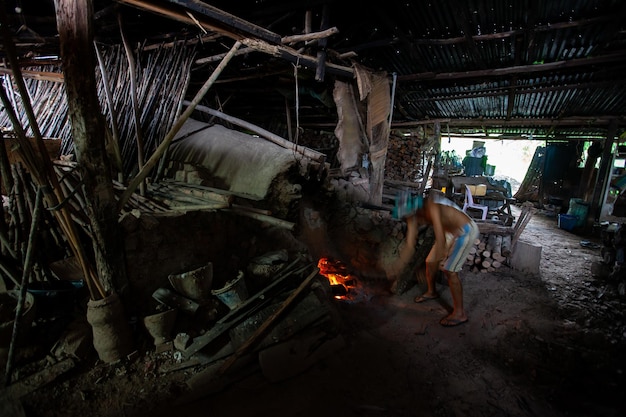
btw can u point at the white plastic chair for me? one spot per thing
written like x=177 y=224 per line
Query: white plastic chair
x=469 y=203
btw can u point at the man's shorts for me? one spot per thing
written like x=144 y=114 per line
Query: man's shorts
x=461 y=246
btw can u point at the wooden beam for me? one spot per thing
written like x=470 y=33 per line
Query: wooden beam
x=603 y=177
x=520 y=89
x=76 y=34
x=521 y=69
x=56 y=77
x=267 y=44
x=513 y=81
x=297 y=58
x=591 y=121
x=208 y=17
x=320 y=70
x=516 y=122
x=322 y=34
x=489 y=36
x=463 y=20
x=285 y=40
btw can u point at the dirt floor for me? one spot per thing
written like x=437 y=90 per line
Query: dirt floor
x=551 y=344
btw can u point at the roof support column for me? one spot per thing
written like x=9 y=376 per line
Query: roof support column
x=604 y=173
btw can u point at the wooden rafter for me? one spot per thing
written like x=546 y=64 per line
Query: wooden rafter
x=520 y=69
x=208 y=17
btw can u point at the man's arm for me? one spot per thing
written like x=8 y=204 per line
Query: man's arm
x=434 y=214
x=407 y=250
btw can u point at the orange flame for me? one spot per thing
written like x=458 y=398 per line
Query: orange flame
x=336 y=273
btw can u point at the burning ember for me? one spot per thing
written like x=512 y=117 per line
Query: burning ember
x=341 y=281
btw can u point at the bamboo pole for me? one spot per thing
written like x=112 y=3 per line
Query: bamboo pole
x=154 y=159
x=40 y=165
x=132 y=73
x=28 y=264
x=109 y=98
x=309 y=153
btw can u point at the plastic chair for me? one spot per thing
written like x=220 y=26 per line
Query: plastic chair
x=469 y=203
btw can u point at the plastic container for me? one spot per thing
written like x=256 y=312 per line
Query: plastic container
x=490 y=170
x=578 y=207
x=473 y=166
x=54 y=298
x=567 y=222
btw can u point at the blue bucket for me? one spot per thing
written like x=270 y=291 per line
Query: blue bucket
x=567 y=222
x=53 y=298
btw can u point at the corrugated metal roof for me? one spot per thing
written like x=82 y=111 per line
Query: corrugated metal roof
x=555 y=67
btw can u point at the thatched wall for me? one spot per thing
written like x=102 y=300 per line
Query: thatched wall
x=162 y=79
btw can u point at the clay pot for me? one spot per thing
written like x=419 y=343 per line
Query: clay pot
x=160 y=325
x=194 y=284
x=234 y=293
x=112 y=337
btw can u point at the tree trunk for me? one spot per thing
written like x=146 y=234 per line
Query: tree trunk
x=75 y=27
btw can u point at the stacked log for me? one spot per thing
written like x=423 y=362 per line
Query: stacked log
x=496 y=243
x=405 y=160
x=489 y=253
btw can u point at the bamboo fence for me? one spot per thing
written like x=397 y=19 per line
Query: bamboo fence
x=163 y=75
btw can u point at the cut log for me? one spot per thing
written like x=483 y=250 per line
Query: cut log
x=498 y=257
x=495 y=241
x=506 y=246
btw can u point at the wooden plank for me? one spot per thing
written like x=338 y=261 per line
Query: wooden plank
x=231 y=21
x=208 y=17
x=269 y=322
x=494 y=229
x=232 y=318
x=213 y=194
x=307 y=311
x=39 y=379
x=56 y=77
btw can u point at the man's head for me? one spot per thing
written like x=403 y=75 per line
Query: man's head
x=407 y=204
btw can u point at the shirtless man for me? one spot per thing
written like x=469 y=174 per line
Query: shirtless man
x=448 y=220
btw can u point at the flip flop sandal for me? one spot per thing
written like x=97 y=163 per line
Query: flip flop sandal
x=421 y=298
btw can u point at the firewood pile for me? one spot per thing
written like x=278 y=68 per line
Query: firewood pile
x=405 y=160
x=496 y=243
x=489 y=253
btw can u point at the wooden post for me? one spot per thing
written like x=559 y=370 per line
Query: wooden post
x=75 y=27
x=603 y=179
x=39 y=164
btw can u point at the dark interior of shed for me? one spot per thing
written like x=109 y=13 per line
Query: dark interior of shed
x=169 y=218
